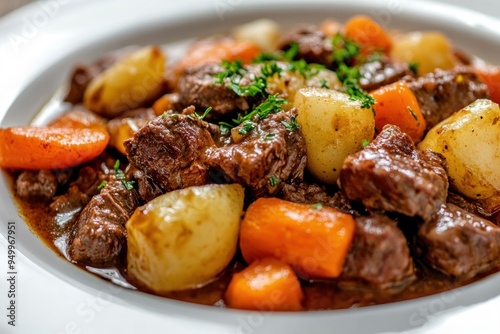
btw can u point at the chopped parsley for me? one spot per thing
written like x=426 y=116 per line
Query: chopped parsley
x=271 y=105
x=129 y=185
x=346 y=52
x=234 y=71
x=292 y=125
x=412 y=112
x=269 y=136
x=317 y=206
x=246 y=127
x=102 y=184
x=274 y=181
x=196 y=116
x=365 y=143
x=324 y=84
x=413 y=66
x=292 y=52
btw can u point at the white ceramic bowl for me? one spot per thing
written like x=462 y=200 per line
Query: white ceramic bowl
x=42 y=43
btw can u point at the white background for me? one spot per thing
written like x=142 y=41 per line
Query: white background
x=40 y=291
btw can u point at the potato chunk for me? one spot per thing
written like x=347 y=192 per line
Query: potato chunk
x=264 y=32
x=128 y=84
x=334 y=126
x=469 y=139
x=429 y=50
x=184 y=238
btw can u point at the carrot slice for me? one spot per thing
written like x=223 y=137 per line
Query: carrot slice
x=30 y=147
x=217 y=50
x=265 y=285
x=313 y=240
x=79 y=118
x=491 y=77
x=368 y=34
x=396 y=104
x=164 y=103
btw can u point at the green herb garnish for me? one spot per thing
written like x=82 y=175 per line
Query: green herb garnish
x=271 y=105
x=102 y=185
x=346 y=51
x=292 y=125
x=196 y=116
x=274 y=181
x=269 y=136
x=290 y=54
x=365 y=143
x=317 y=206
x=412 y=112
x=129 y=185
x=246 y=127
x=413 y=66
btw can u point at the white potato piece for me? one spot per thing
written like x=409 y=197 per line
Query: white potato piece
x=470 y=141
x=289 y=82
x=264 y=32
x=429 y=50
x=334 y=127
x=128 y=84
x=184 y=238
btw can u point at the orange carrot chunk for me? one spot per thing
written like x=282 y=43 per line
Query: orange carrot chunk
x=217 y=50
x=265 y=285
x=396 y=104
x=491 y=77
x=79 y=118
x=314 y=240
x=30 y=147
x=368 y=34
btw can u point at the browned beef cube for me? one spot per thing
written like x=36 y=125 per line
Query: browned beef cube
x=379 y=255
x=390 y=174
x=169 y=151
x=199 y=87
x=313 y=193
x=459 y=243
x=442 y=93
x=265 y=158
x=36 y=185
x=313 y=45
x=99 y=234
x=381 y=72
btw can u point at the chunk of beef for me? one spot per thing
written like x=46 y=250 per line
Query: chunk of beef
x=313 y=45
x=84 y=73
x=379 y=255
x=306 y=193
x=100 y=234
x=65 y=207
x=459 y=243
x=169 y=151
x=442 y=93
x=312 y=193
x=198 y=87
x=41 y=185
x=390 y=174
x=38 y=185
x=265 y=158
x=381 y=72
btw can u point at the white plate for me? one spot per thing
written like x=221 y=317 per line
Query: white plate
x=40 y=43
